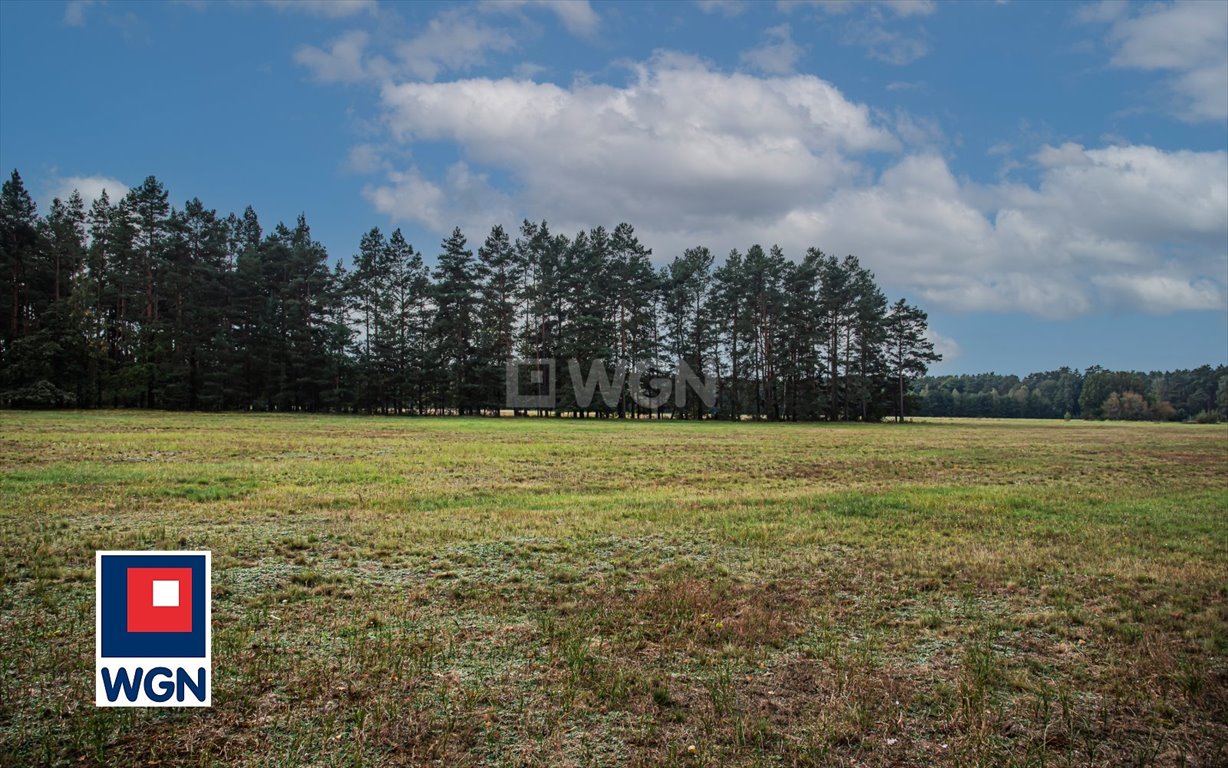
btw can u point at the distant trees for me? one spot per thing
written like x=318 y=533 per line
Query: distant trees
x=1196 y=394
x=135 y=303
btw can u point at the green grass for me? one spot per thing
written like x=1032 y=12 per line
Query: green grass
x=557 y=592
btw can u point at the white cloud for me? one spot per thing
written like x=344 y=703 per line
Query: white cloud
x=365 y=159
x=729 y=8
x=89 y=187
x=409 y=196
x=74 y=12
x=919 y=131
x=1117 y=203
x=944 y=345
x=341 y=63
x=1188 y=39
x=1102 y=12
x=693 y=155
x=451 y=41
x=1161 y=293
x=776 y=54
x=463 y=195
x=884 y=44
x=527 y=70
x=1052 y=249
x=331 y=9
x=576 y=15
x=840 y=7
x=911 y=7
x=681 y=138
x=886 y=29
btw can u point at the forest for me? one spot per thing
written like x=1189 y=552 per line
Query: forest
x=1199 y=394
x=135 y=303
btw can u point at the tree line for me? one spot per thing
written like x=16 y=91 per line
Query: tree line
x=1199 y=394
x=135 y=303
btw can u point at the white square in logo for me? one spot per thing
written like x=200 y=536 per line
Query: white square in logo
x=166 y=594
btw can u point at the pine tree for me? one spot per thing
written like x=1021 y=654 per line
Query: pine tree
x=762 y=272
x=368 y=291
x=456 y=297
x=634 y=288
x=250 y=316
x=196 y=297
x=20 y=252
x=403 y=326
x=800 y=338
x=305 y=295
x=908 y=349
x=148 y=214
x=502 y=281
x=61 y=316
x=731 y=311
x=585 y=328
x=542 y=255
x=869 y=333
x=689 y=331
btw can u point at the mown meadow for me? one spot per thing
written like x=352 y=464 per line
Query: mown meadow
x=533 y=592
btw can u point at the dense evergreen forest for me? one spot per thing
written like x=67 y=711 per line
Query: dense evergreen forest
x=134 y=303
x=1200 y=395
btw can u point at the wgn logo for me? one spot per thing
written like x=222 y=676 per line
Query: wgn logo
x=152 y=641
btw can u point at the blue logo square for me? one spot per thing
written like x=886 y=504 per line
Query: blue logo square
x=117 y=642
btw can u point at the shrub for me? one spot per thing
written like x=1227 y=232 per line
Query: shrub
x=1164 y=411
x=40 y=394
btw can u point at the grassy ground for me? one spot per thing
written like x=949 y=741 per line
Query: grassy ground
x=541 y=592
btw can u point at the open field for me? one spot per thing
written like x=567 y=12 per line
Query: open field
x=541 y=592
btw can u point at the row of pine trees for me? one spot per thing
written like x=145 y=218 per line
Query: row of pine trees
x=134 y=303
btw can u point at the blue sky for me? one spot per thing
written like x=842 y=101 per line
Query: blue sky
x=1048 y=180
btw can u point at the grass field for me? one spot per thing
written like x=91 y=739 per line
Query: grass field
x=543 y=592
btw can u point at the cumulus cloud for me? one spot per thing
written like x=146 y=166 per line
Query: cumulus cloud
x=1136 y=193
x=89 y=187
x=1187 y=39
x=776 y=54
x=1161 y=293
x=693 y=155
x=1055 y=249
x=680 y=138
